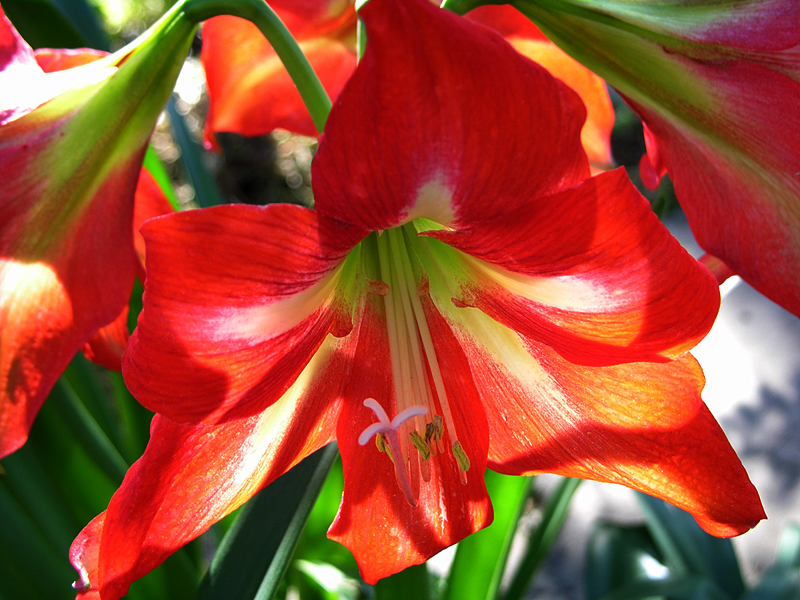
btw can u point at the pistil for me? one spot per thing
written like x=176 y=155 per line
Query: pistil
x=389 y=430
x=415 y=367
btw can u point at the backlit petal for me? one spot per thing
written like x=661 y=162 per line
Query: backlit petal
x=191 y=476
x=529 y=41
x=52 y=303
x=71 y=147
x=642 y=425
x=590 y=271
x=717 y=85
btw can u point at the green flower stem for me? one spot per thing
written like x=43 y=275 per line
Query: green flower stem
x=262 y=16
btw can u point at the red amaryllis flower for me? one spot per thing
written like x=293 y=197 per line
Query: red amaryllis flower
x=72 y=137
x=462 y=293
x=717 y=85
x=250 y=92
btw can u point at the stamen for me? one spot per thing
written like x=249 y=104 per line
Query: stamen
x=434 y=431
x=462 y=460
x=389 y=429
x=420 y=445
x=380 y=442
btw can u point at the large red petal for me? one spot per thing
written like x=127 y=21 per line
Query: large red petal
x=383 y=531
x=237 y=300
x=408 y=136
x=591 y=272
x=250 y=92
x=642 y=425
x=191 y=476
x=526 y=38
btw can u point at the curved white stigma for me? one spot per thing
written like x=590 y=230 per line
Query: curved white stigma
x=390 y=430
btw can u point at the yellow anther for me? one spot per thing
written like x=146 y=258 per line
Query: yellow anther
x=434 y=431
x=420 y=445
x=383 y=446
x=461 y=457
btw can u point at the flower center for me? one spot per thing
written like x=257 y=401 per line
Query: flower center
x=418 y=384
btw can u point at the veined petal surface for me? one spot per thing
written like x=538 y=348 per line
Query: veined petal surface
x=642 y=425
x=376 y=523
x=70 y=158
x=526 y=39
x=191 y=476
x=427 y=158
x=590 y=271
x=238 y=299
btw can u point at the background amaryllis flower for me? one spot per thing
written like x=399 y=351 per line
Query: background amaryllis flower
x=717 y=85
x=106 y=346
x=250 y=92
x=73 y=131
x=540 y=315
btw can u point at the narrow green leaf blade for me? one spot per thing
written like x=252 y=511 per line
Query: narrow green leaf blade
x=159 y=172
x=544 y=535
x=481 y=558
x=205 y=188
x=256 y=551
x=688 y=549
x=617 y=555
x=57 y=23
x=413 y=582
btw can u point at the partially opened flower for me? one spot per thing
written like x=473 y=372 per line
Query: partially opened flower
x=108 y=343
x=462 y=297
x=250 y=92
x=73 y=130
x=717 y=85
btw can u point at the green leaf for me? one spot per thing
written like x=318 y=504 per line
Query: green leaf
x=788 y=554
x=687 y=549
x=617 y=555
x=314 y=545
x=543 y=536
x=156 y=168
x=205 y=188
x=333 y=582
x=690 y=587
x=413 y=582
x=255 y=553
x=57 y=23
x=782 y=580
x=481 y=558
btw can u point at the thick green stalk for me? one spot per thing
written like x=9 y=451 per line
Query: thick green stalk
x=262 y=16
